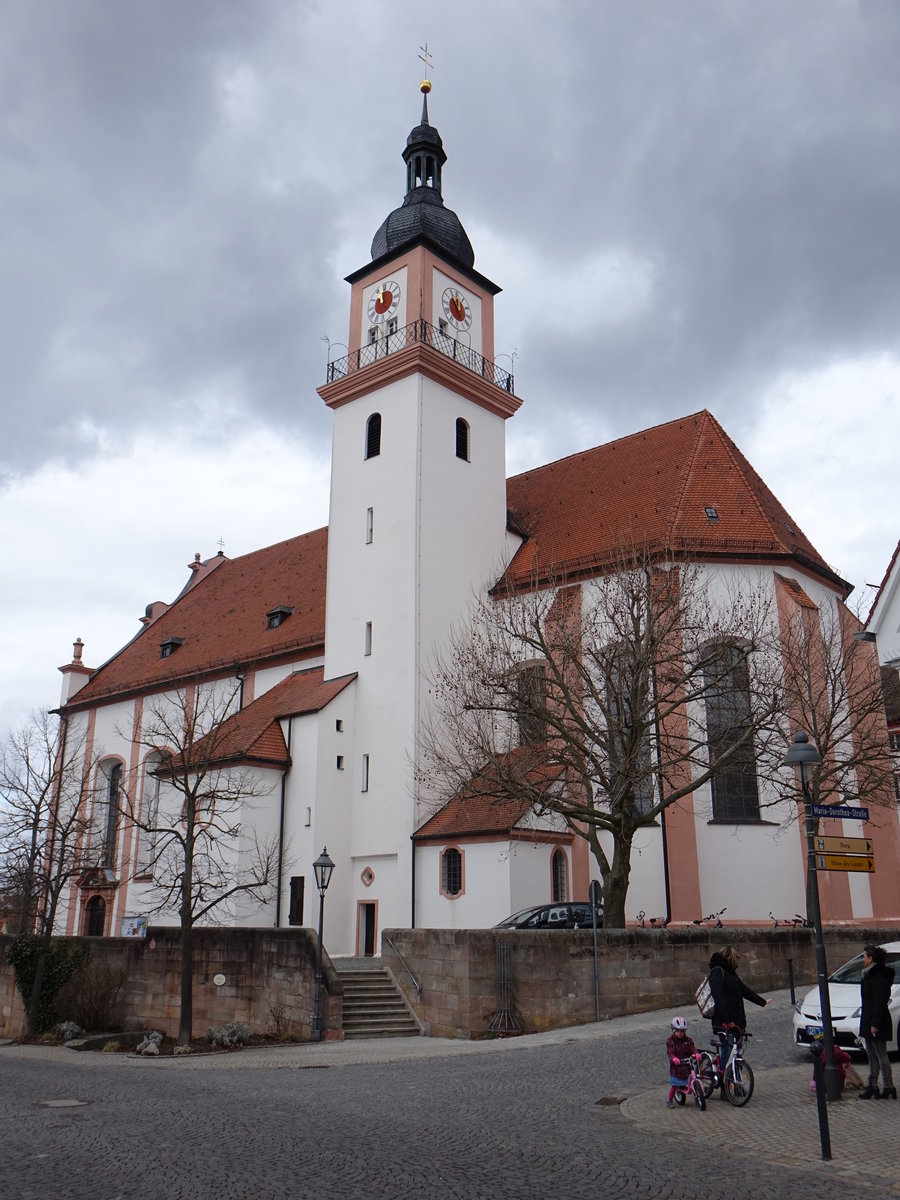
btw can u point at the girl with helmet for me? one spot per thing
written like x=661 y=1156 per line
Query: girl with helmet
x=680 y=1049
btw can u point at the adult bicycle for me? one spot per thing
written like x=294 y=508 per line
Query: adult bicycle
x=735 y=1077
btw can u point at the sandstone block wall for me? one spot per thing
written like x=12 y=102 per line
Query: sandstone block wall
x=552 y=972
x=264 y=969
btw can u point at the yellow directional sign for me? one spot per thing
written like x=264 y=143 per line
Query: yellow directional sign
x=844 y=845
x=845 y=862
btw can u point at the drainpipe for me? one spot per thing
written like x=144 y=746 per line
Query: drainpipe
x=412 y=915
x=284 y=776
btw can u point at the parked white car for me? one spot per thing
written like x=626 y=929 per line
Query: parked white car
x=843 y=992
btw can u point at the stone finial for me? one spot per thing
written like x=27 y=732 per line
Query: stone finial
x=77 y=648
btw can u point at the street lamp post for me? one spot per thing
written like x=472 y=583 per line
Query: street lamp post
x=322 y=869
x=803 y=757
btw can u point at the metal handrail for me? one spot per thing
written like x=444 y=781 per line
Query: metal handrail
x=423 y=332
x=416 y=983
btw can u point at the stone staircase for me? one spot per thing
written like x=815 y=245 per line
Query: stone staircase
x=373 y=1005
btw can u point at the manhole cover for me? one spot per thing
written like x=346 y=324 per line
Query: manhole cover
x=610 y=1101
x=62 y=1103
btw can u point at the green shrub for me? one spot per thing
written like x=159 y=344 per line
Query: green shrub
x=60 y=963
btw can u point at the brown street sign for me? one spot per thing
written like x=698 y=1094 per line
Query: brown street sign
x=845 y=862
x=844 y=845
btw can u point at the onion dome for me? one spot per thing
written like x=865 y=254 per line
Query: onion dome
x=422 y=215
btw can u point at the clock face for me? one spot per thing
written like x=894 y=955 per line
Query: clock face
x=456 y=308
x=383 y=301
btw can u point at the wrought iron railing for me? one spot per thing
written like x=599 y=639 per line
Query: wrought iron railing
x=421 y=331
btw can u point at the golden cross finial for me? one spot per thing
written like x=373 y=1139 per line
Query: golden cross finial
x=425 y=85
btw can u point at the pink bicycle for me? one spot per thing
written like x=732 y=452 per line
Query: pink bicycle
x=692 y=1086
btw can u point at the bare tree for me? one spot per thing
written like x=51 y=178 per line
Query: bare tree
x=605 y=702
x=43 y=836
x=834 y=692
x=194 y=819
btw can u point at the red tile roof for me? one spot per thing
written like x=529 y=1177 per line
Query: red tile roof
x=477 y=810
x=255 y=734
x=222 y=620
x=579 y=513
x=651 y=488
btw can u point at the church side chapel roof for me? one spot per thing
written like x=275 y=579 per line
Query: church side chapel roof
x=683 y=487
x=222 y=621
x=254 y=733
x=476 y=810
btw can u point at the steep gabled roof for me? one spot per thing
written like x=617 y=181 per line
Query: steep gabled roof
x=254 y=733
x=874 y=615
x=651 y=489
x=222 y=620
x=478 y=809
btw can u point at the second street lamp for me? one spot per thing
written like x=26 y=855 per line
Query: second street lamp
x=322 y=869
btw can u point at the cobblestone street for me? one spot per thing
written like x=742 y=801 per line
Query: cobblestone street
x=519 y=1119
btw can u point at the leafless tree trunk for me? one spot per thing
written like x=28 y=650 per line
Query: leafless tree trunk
x=204 y=854
x=43 y=829
x=589 y=702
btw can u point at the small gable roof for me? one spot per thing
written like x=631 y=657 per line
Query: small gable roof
x=476 y=808
x=254 y=733
x=221 y=621
x=682 y=488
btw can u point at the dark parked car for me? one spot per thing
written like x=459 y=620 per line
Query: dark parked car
x=576 y=915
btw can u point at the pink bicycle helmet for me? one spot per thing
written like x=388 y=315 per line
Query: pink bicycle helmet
x=679 y=1023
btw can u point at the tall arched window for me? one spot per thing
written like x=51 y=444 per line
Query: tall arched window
x=559 y=876
x=373 y=436
x=110 y=801
x=149 y=815
x=735 y=793
x=451 y=872
x=96 y=917
x=462 y=439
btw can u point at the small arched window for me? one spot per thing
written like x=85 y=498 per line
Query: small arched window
x=373 y=436
x=462 y=439
x=451 y=872
x=559 y=876
x=96 y=916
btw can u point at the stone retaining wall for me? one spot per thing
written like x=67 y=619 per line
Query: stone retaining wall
x=264 y=969
x=552 y=975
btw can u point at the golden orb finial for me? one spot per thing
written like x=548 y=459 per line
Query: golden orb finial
x=425 y=86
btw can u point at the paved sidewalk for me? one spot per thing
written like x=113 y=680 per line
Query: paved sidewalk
x=780 y=1125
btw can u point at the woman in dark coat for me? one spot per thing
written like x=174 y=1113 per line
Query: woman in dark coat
x=875 y=1025
x=729 y=993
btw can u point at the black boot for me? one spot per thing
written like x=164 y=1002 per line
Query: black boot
x=889 y=1093
x=869 y=1092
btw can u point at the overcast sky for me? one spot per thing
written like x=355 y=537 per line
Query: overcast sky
x=688 y=204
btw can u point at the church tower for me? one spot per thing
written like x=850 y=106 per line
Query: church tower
x=418 y=502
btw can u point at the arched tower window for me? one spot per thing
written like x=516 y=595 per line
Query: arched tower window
x=559 y=876
x=96 y=917
x=373 y=436
x=462 y=439
x=735 y=793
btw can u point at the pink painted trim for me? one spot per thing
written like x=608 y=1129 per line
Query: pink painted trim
x=462 y=873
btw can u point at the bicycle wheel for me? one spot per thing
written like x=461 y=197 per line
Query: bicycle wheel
x=707 y=1073
x=739 y=1083
x=699 y=1094
x=679 y=1098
